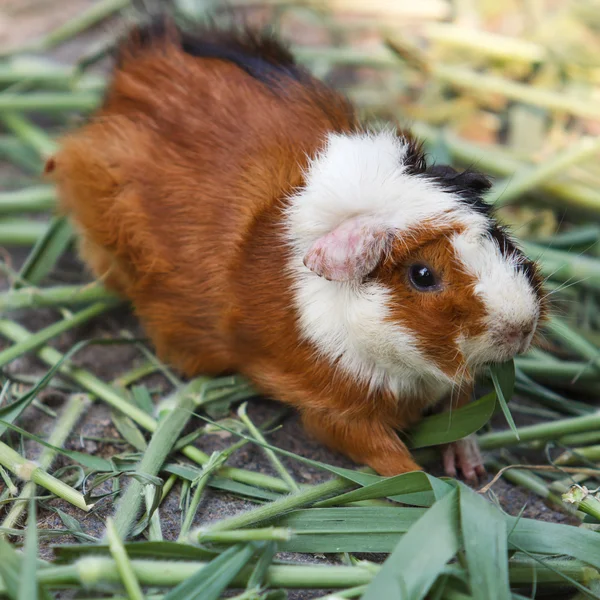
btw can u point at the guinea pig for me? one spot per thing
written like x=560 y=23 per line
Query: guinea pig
x=258 y=227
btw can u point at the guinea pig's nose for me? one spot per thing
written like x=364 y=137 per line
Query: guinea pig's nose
x=516 y=332
x=512 y=334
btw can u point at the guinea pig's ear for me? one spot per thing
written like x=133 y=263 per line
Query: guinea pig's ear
x=350 y=252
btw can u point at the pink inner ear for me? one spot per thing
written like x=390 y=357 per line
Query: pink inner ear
x=349 y=252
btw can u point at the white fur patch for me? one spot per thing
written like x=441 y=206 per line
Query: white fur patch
x=506 y=292
x=364 y=174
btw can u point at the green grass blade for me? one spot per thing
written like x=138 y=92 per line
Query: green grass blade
x=61 y=295
x=128 y=430
x=118 y=552
x=211 y=580
x=28 y=589
x=30 y=199
x=168 y=430
x=416 y=488
x=484 y=531
x=20 y=232
x=348 y=529
x=39 y=338
x=452 y=425
x=97 y=463
x=46 y=252
x=142 y=398
x=503 y=378
x=190 y=473
x=540 y=537
x=505 y=375
x=9 y=569
x=421 y=554
x=259 y=571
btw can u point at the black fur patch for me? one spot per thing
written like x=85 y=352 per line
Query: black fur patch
x=414 y=162
x=260 y=54
x=469 y=186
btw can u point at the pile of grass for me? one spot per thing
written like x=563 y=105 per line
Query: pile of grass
x=443 y=539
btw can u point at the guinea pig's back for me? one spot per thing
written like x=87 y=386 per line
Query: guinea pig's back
x=196 y=139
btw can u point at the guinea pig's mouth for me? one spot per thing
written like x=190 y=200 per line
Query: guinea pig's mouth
x=516 y=341
x=497 y=347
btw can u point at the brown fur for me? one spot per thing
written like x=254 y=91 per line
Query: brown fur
x=177 y=188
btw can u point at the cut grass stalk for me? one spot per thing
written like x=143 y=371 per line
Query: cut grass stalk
x=560 y=486
x=20 y=232
x=584 y=236
x=29 y=133
x=137 y=373
x=574 y=341
x=119 y=554
x=58 y=296
x=74 y=409
x=273 y=458
x=109 y=395
x=480 y=42
x=161 y=444
x=49 y=102
x=480 y=84
x=29 y=471
x=526 y=180
x=589 y=437
x=353 y=592
x=566 y=266
x=584 y=500
x=46 y=73
x=346 y=56
x=540 y=431
x=35 y=340
x=33 y=199
x=95 y=571
x=556 y=371
x=577 y=455
x=273 y=534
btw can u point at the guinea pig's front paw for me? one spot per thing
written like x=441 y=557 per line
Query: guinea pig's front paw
x=464 y=455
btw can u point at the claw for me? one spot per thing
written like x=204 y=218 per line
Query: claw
x=464 y=455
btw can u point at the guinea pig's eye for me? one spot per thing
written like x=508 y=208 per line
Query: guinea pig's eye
x=422 y=278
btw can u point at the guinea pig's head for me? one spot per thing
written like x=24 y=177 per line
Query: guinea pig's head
x=402 y=276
